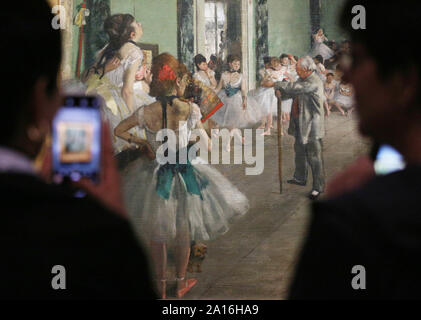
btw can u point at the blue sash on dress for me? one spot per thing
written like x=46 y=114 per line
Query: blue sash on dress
x=230 y=91
x=167 y=172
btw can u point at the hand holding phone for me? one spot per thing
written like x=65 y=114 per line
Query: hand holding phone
x=106 y=184
x=76 y=139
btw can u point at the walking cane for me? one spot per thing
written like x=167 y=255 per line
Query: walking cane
x=280 y=129
x=80 y=21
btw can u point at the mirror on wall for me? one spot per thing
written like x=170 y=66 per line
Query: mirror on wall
x=222 y=28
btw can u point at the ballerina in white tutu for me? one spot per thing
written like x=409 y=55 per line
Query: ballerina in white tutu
x=116 y=86
x=319 y=48
x=330 y=87
x=238 y=111
x=282 y=72
x=174 y=202
x=344 y=98
x=265 y=97
x=321 y=70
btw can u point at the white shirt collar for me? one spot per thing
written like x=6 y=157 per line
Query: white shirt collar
x=14 y=161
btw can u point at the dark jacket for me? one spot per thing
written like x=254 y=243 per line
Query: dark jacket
x=377 y=227
x=43 y=226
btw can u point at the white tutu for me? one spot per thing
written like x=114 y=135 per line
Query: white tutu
x=203 y=213
x=158 y=219
x=285 y=107
x=265 y=98
x=345 y=101
x=109 y=87
x=114 y=119
x=323 y=50
x=114 y=108
x=232 y=114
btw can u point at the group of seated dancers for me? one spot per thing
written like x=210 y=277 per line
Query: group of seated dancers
x=330 y=59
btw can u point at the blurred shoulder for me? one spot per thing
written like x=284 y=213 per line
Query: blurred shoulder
x=386 y=204
x=30 y=198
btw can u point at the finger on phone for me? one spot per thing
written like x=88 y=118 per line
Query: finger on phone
x=44 y=161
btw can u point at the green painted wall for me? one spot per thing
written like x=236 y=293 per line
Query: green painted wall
x=289 y=24
x=158 y=18
x=122 y=6
x=329 y=19
x=289 y=27
x=252 y=65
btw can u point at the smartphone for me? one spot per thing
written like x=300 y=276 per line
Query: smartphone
x=76 y=139
x=388 y=160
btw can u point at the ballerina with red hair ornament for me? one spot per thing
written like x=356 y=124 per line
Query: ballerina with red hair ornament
x=166 y=73
x=174 y=200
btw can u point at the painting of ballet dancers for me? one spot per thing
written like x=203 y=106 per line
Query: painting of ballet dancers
x=230 y=77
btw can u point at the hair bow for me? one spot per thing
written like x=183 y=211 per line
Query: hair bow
x=166 y=73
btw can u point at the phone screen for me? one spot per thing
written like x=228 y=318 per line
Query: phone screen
x=388 y=160
x=77 y=139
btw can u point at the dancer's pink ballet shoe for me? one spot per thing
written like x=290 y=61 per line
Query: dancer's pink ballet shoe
x=188 y=284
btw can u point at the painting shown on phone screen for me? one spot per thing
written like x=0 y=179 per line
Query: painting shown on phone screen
x=75 y=142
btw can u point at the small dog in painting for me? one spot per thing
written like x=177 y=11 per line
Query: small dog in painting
x=197 y=255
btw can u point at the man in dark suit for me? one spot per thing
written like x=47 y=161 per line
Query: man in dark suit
x=365 y=242
x=54 y=245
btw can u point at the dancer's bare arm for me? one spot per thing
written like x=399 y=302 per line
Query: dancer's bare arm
x=211 y=76
x=244 y=92
x=122 y=131
x=220 y=84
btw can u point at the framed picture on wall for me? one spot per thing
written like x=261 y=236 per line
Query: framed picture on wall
x=149 y=51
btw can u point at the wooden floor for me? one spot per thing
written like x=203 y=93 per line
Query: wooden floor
x=255 y=259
